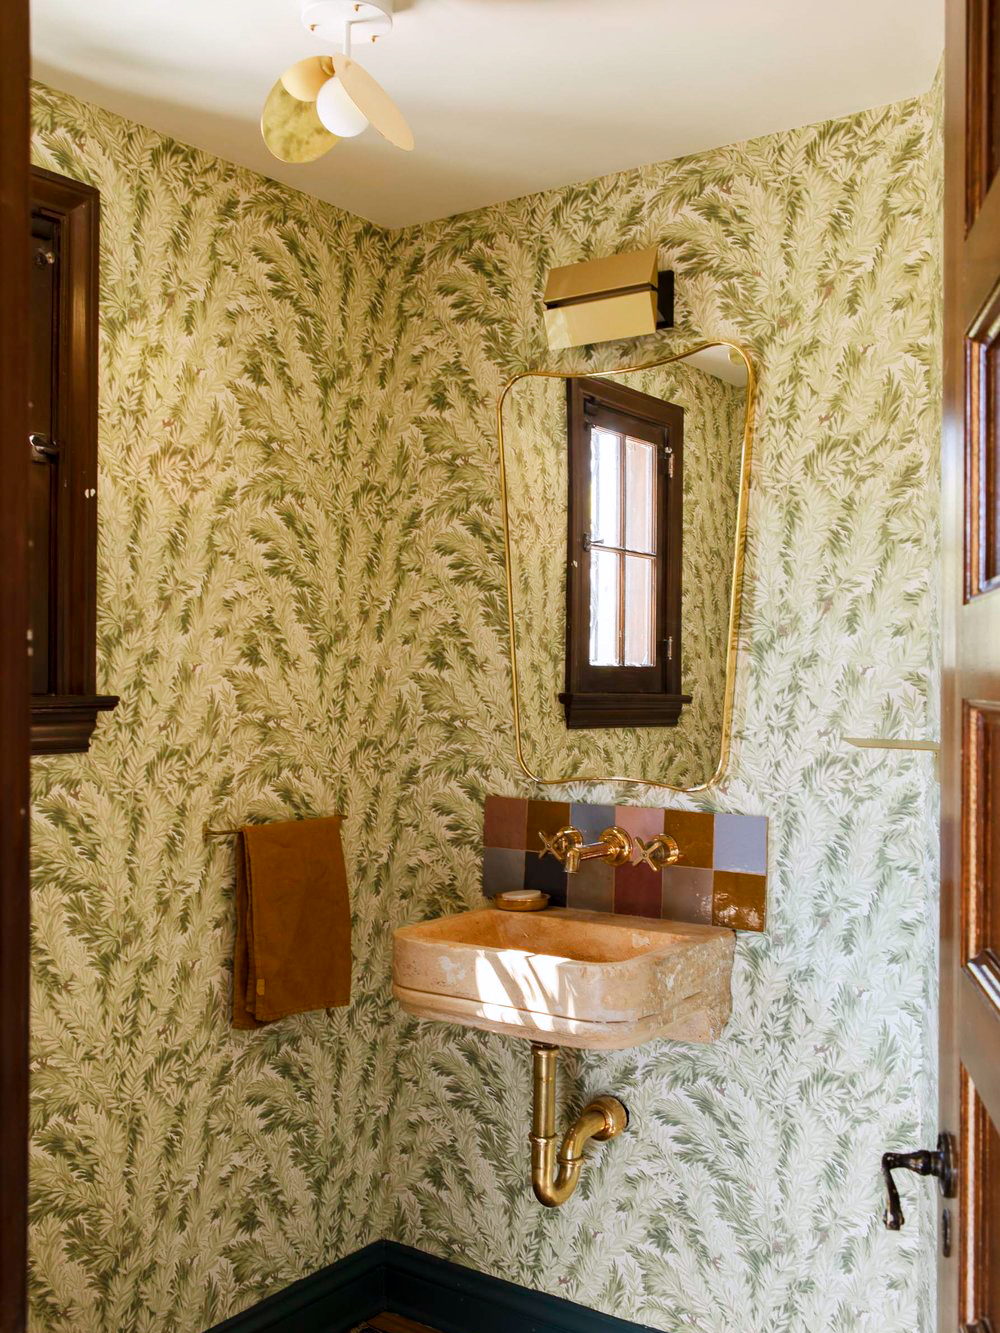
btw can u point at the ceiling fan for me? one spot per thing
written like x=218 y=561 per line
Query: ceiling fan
x=323 y=99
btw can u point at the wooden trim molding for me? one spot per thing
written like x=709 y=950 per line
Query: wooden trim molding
x=63 y=719
x=622 y=710
x=64 y=723
x=443 y=1296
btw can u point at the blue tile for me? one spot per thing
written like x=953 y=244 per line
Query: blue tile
x=741 y=843
x=503 y=869
x=591 y=820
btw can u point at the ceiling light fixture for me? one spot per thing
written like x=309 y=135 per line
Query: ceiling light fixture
x=325 y=98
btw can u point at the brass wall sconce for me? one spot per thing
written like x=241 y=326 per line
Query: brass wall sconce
x=622 y=296
x=555 y=1174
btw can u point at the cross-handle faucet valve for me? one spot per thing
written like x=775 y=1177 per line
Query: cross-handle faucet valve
x=658 y=852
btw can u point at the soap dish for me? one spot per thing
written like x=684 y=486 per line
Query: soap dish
x=521 y=900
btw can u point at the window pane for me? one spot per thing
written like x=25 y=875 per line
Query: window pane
x=640 y=493
x=604 y=608
x=640 y=625
x=605 y=487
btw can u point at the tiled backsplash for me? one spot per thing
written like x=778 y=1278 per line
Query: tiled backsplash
x=721 y=877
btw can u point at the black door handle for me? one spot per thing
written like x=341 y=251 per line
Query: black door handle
x=43 y=449
x=941 y=1163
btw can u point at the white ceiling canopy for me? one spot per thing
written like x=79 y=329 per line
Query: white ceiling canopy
x=505 y=97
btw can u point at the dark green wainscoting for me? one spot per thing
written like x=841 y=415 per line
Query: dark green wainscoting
x=386 y=1276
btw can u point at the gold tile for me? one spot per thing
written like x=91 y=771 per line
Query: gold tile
x=545 y=817
x=694 y=833
x=739 y=901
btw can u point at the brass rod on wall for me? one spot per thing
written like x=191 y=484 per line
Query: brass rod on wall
x=218 y=832
x=209 y=832
x=886 y=743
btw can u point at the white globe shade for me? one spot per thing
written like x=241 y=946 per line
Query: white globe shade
x=338 y=112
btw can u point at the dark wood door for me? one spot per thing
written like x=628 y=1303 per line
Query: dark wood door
x=970 y=923
x=14 y=464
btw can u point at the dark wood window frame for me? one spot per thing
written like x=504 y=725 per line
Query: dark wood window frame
x=622 y=696
x=64 y=715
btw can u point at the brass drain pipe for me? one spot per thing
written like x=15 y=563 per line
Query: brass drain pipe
x=555 y=1177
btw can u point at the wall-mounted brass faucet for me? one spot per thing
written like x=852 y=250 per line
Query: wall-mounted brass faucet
x=556 y=1174
x=615 y=846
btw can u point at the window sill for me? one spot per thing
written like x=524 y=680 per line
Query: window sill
x=64 y=723
x=623 y=710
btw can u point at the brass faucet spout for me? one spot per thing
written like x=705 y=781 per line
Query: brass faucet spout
x=555 y=1175
x=615 y=846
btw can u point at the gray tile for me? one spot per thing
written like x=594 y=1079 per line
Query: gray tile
x=592 y=888
x=503 y=869
x=741 y=843
x=591 y=820
x=687 y=894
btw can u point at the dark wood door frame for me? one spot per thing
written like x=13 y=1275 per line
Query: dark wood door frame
x=63 y=608
x=14 y=462
x=969 y=1274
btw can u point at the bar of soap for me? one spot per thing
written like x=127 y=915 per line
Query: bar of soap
x=521 y=900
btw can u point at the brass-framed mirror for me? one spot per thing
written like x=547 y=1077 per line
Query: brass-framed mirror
x=654 y=602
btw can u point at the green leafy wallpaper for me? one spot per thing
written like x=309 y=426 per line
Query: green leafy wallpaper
x=301 y=605
x=537 y=472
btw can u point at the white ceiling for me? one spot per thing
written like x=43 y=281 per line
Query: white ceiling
x=505 y=97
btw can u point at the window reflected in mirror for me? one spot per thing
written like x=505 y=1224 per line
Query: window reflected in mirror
x=622 y=498
x=623 y=571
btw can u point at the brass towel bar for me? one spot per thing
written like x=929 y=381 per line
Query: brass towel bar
x=209 y=832
x=890 y=743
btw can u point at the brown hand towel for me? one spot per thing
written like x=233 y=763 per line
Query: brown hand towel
x=293 y=921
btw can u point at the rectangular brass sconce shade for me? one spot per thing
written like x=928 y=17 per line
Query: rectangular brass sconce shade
x=622 y=296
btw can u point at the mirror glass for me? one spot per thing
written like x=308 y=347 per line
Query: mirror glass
x=625 y=509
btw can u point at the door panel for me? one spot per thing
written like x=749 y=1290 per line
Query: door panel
x=969 y=1286
x=981 y=1190
x=982 y=131
x=983 y=454
x=981 y=905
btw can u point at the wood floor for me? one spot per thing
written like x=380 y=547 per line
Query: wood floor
x=394 y=1323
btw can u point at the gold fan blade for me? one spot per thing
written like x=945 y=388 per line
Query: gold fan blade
x=373 y=101
x=292 y=130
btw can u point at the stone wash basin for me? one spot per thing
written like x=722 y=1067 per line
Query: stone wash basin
x=567 y=977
